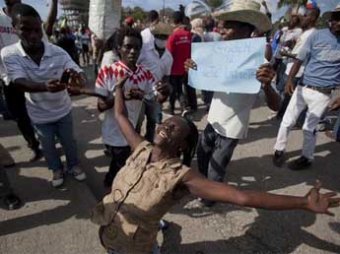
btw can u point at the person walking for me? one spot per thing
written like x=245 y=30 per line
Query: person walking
x=321 y=77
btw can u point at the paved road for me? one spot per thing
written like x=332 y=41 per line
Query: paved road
x=56 y=221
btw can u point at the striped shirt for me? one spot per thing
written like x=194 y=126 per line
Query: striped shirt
x=106 y=80
x=9 y=37
x=43 y=107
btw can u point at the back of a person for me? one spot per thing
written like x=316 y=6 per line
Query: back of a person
x=179 y=45
x=68 y=44
x=323 y=67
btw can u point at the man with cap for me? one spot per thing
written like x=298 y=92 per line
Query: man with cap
x=229 y=113
x=158 y=60
x=321 y=76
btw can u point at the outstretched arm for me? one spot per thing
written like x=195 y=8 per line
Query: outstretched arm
x=221 y=192
x=51 y=18
x=132 y=137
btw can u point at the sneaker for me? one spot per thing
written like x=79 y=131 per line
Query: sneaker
x=58 y=178
x=279 y=158
x=12 y=202
x=37 y=155
x=78 y=173
x=300 y=164
x=163 y=225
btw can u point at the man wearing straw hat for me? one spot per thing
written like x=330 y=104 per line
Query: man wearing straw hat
x=321 y=77
x=228 y=117
x=157 y=59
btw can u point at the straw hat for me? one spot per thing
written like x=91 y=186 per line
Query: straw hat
x=162 y=29
x=327 y=15
x=246 y=11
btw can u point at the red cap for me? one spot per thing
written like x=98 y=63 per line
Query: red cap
x=129 y=21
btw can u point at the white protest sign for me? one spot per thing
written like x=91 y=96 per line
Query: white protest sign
x=227 y=66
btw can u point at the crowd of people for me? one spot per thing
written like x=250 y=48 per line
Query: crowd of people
x=138 y=70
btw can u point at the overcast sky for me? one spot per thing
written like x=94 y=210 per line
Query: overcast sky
x=42 y=5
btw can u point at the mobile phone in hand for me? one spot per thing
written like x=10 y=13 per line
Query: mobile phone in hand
x=65 y=77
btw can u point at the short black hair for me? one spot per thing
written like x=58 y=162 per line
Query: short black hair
x=178 y=17
x=23 y=10
x=153 y=16
x=316 y=12
x=123 y=32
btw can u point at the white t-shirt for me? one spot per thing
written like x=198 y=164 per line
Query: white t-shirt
x=107 y=78
x=229 y=114
x=7 y=37
x=109 y=58
x=43 y=107
x=159 y=66
x=148 y=39
x=299 y=43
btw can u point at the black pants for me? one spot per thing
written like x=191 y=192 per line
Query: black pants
x=119 y=157
x=190 y=95
x=5 y=188
x=214 y=153
x=176 y=82
x=15 y=100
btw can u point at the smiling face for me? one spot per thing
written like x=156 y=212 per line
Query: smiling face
x=172 y=133
x=130 y=50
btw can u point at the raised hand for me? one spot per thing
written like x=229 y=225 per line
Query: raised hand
x=265 y=74
x=163 y=88
x=190 y=64
x=134 y=94
x=320 y=203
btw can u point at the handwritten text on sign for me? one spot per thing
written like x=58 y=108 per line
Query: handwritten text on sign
x=227 y=66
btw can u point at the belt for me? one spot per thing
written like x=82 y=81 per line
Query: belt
x=319 y=89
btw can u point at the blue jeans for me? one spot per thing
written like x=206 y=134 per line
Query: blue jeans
x=63 y=130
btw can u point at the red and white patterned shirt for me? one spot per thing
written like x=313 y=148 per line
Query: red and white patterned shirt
x=107 y=78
